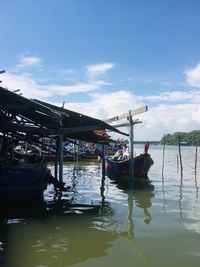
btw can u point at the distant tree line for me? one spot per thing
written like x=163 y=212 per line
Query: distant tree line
x=190 y=139
x=144 y=142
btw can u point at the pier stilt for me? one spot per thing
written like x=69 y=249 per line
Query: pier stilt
x=131 y=150
x=163 y=159
x=60 y=157
x=180 y=157
x=195 y=167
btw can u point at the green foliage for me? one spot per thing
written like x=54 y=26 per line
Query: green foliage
x=191 y=138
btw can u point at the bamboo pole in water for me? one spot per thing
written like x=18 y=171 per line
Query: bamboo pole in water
x=180 y=157
x=163 y=159
x=131 y=147
x=61 y=157
x=177 y=164
x=195 y=168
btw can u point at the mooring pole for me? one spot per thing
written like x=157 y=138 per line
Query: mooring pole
x=61 y=157
x=102 y=188
x=56 y=159
x=163 y=158
x=131 y=150
x=195 y=166
x=180 y=158
x=103 y=160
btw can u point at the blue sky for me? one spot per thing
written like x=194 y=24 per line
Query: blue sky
x=104 y=57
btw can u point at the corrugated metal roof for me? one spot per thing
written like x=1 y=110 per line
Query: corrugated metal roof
x=19 y=114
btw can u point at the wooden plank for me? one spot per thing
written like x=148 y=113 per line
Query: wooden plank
x=127 y=114
x=126 y=124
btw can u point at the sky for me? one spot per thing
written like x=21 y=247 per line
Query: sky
x=105 y=57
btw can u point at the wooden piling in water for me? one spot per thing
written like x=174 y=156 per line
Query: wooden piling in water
x=177 y=161
x=131 y=151
x=61 y=157
x=103 y=160
x=163 y=158
x=195 y=167
x=180 y=157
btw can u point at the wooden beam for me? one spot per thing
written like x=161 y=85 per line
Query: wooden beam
x=127 y=114
x=126 y=124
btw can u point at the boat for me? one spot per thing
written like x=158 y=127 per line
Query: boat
x=118 y=168
x=22 y=179
x=124 y=167
x=25 y=177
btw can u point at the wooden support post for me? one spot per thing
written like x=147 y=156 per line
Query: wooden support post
x=77 y=150
x=180 y=158
x=131 y=149
x=61 y=158
x=56 y=167
x=56 y=159
x=195 y=167
x=103 y=175
x=177 y=164
x=103 y=160
x=163 y=159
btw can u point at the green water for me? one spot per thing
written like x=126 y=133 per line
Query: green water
x=99 y=224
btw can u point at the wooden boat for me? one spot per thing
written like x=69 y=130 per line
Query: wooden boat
x=22 y=180
x=142 y=164
x=119 y=168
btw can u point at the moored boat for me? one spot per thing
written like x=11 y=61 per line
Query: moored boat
x=119 y=167
x=22 y=180
x=142 y=164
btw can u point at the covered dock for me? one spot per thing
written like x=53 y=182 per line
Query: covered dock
x=31 y=119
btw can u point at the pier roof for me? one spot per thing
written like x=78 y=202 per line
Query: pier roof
x=35 y=117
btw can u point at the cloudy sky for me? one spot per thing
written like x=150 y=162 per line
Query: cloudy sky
x=104 y=57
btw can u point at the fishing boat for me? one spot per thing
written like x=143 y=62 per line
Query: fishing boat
x=125 y=167
x=120 y=166
x=22 y=180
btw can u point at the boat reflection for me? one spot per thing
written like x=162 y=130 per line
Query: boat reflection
x=141 y=198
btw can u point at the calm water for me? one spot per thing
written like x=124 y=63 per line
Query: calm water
x=98 y=224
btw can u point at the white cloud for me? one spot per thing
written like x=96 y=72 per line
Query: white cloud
x=27 y=85
x=99 y=69
x=170 y=118
x=166 y=118
x=28 y=61
x=159 y=120
x=192 y=95
x=32 y=89
x=193 y=76
x=56 y=89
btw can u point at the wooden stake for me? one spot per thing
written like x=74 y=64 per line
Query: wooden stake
x=131 y=152
x=163 y=159
x=195 y=168
x=180 y=158
x=103 y=160
x=61 y=157
x=177 y=163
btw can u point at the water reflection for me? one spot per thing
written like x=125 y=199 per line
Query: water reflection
x=181 y=196
x=141 y=198
x=117 y=229
x=196 y=186
x=70 y=233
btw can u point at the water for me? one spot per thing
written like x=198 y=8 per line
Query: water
x=99 y=224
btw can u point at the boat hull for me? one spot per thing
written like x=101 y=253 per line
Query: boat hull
x=23 y=182
x=120 y=168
